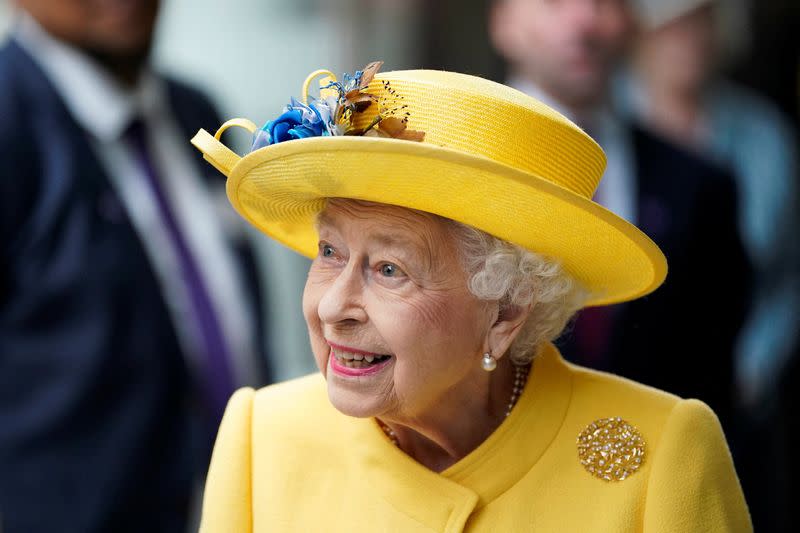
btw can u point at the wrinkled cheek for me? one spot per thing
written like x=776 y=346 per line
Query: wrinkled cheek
x=448 y=326
x=429 y=317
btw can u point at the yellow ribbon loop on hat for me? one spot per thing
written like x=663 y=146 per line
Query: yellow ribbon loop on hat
x=329 y=77
x=238 y=122
x=214 y=151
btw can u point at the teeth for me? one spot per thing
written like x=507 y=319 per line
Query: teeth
x=352 y=360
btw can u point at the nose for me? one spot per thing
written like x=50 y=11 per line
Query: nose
x=342 y=302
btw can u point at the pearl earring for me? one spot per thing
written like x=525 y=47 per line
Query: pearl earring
x=488 y=362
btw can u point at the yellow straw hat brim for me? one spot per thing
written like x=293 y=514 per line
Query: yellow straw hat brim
x=280 y=189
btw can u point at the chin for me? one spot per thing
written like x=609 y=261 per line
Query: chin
x=352 y=404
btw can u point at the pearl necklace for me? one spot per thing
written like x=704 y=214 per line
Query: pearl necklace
x=520 y=379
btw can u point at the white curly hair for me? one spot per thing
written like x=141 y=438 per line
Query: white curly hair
x=513 y=276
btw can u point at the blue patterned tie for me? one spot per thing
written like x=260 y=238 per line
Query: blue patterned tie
x=217 y=372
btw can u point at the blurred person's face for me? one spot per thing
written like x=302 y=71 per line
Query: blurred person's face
x=110 y=30
x=568 y=47
x=679 y=54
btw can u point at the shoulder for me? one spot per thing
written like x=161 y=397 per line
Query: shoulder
x=259 y=426
x=273 y=408
x=614 y=392
x=281 y=402
x=13 y=99
x=660 y=417
x=692 y=424
x=10 y=55
x=692 y=470
x=660 y=414
x=20 y=140
x=297 y=410
x=29 y=105
x=280 y=415
x=596 y=396
x=687 y=462
x=296 y=394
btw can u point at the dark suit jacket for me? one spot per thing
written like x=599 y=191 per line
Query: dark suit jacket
x=680 y=338
x=97 y=427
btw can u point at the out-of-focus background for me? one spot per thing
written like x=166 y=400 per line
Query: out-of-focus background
x=719 y=81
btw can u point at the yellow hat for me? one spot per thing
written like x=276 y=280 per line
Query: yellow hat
x=492 y=157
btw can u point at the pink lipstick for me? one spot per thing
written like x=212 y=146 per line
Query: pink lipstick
x=347 y=361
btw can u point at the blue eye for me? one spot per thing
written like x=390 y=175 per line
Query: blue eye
x=389 y=270
x=326 y=250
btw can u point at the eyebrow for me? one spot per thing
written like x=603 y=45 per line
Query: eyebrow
x=414 y=247
x=387 y=239
x=323 y=219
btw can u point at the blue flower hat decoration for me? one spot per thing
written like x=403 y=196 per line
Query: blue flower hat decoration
x=333 y=112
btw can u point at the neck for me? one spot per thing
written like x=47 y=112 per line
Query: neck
x=460 y=422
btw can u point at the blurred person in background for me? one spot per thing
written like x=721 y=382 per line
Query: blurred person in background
x=676 y=90
x=675 y=87
x=565 y=52
x=128 y=307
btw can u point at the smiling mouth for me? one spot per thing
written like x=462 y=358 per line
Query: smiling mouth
x=355 y=360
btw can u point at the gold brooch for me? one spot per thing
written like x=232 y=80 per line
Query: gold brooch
x=611 y=449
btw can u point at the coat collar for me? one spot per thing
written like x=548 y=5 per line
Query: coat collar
x=484 y=474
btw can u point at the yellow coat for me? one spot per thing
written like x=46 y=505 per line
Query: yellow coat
x=286 y=460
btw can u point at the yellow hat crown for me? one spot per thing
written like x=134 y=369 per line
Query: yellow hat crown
x=484 y=118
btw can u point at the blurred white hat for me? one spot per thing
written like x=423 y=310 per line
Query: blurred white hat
x=731 y=20
x=655 y=13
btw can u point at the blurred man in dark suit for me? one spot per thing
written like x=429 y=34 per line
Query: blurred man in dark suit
x=564 y=52
x=128 y=313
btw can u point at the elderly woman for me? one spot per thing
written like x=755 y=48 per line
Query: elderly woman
x=453 y=237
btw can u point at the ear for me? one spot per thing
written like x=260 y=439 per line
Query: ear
x=505 y=329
